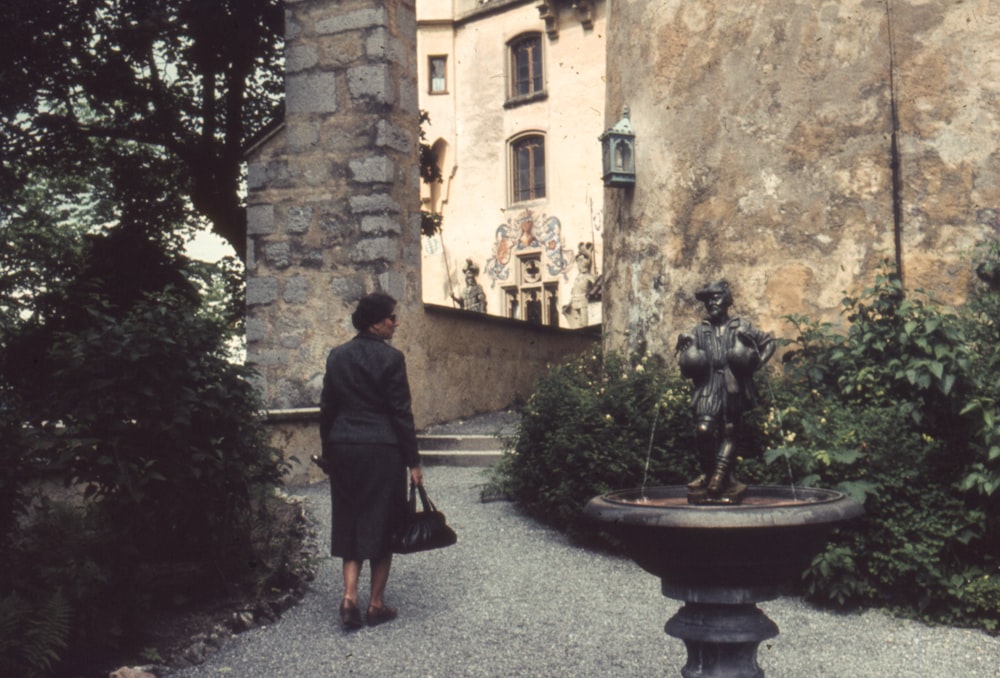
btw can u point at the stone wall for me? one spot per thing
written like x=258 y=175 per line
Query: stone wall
x=765 y=154
x=333 y=214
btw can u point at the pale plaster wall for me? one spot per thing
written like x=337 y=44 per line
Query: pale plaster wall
x=948 y=83
x=764 y=154
x=478 y=210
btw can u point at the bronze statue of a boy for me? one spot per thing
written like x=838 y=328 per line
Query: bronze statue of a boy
x=720 y=355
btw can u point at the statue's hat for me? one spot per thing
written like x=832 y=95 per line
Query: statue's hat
x=717 y=287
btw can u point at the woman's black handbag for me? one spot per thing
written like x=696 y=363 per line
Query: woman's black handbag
x=424 y=530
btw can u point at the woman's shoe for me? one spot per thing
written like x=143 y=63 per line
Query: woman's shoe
x=350 y=615
x=381 y=615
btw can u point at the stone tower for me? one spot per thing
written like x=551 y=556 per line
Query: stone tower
x=791 y=146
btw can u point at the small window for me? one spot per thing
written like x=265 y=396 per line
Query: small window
x=528 y=168
x=526 y=66
x=437 y=68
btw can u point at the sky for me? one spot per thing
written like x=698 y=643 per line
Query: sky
x=206 y=246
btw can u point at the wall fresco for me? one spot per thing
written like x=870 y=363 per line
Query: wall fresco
x=528 y=230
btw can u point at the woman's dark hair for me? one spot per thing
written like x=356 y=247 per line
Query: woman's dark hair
x=371 y=309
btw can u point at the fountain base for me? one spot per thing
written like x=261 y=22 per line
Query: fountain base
x=721 y=640
x=721 y=560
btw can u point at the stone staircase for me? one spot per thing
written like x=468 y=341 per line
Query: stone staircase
x=459 y=449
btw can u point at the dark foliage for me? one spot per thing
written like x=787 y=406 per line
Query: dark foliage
x=169 y=90
x=430 y=173
x=117 y=385
x=900 y=413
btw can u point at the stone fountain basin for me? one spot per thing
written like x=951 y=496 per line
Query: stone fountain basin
x=723 y=553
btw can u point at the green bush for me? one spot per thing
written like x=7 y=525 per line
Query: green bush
x=593 y=424
x=118 y=385
x=156 y=425
x=981 y=323
x=900 y=412
x=32 y=635
x=884 y=414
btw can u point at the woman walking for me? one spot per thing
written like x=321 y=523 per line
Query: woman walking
x=368 y=437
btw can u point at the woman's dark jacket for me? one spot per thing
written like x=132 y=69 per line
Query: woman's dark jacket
x=366 y=398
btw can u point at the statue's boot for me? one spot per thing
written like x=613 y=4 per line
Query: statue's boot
x=698 y=483
x=721 y=478
x=726 y=484
x=719 y=481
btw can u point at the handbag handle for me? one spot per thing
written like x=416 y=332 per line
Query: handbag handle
x=425 y=501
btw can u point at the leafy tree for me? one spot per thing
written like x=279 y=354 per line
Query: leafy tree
x=110 y=338
x=116 y=379
x=122 y=125
x=430 y=173
x=170 y=90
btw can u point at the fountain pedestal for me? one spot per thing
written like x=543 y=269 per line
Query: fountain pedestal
x=721 y=640
x=721 y=560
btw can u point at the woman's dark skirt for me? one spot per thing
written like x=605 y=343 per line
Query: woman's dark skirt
x=368 y=491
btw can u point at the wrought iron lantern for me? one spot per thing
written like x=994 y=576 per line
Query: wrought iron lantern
x=618 y=151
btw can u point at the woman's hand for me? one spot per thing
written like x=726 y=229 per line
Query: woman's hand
x=417 y=476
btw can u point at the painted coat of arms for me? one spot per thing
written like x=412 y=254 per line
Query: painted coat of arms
x=528 y=231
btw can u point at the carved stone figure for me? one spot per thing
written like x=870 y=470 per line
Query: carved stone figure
x=473 y=297
x=582 y=292
x=720 y=355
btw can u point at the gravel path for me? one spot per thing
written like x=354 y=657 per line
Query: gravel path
x=513 y=598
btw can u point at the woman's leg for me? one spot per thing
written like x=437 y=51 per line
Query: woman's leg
x=352 y=571
x=350 y=615
x=380 y=576
x=378 y=611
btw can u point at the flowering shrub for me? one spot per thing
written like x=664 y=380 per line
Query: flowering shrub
x=593 y=424
x=901 y=412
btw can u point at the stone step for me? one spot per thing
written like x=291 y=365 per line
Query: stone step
x=459 y=450
x=459 y=458
x=441 y=442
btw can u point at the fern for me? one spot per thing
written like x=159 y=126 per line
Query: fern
x=32 y=637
